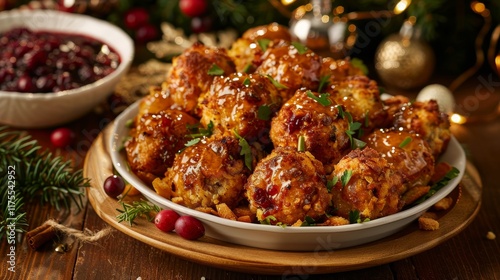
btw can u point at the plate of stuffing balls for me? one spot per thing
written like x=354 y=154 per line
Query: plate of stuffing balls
x=273 y=146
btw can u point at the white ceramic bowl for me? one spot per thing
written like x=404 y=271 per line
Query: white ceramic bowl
x=288 y=238
x=35 y=110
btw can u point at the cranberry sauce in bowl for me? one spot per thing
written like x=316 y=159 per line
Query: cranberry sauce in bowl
x=45 y=61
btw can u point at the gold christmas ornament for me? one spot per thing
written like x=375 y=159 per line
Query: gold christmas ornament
x=404 y=60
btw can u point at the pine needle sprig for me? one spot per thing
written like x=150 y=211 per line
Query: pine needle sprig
x=140 y=208
x=36 y=174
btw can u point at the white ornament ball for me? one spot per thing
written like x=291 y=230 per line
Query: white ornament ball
x=442 y=95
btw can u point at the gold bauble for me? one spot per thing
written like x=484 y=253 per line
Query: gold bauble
x=404 y=62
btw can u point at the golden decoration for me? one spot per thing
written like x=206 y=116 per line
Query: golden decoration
x=403 y=60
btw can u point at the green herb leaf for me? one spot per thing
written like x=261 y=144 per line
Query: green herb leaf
x=264 y=112
x=358 y=144
x=308 y=221
x=301 y=144
x=346 y=177
x=322 y=99
x=405 y=142
x=277 y=84
x=263 y=43
x=199 y=131
x=192 y=142
x=353 y=216
x=360 y=64
x=330 y=184
x=137 y=209
x=215 y=70
x=246 y=150
x=129 y=123
x=246 y=82
x=269 y=220
x=453 y=173
x=247 y=68
x=300 y=47
x=323 y=82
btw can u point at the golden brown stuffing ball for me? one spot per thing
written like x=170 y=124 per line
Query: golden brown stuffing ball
x=366 y=183
x=206 y=174
x=272 y=31
x=338 y=69
x=155 y=140
x=292 y=66
x=288 y=185
x=425 y=119
x=156 y=101
x=392 y=105
x=242 y=102
x=246 y=51
x=361 y=98
x=189 y=76
x=323 y=128
x=406 y=152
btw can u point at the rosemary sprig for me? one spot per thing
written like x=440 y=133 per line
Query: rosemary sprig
x=140 y=208
x=33 y=174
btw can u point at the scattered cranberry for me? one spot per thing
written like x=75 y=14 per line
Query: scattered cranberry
x=62 y=137
x=193 y=8
x=114 y=186
x=136 y=17
x=165 y=220
x=189 y=228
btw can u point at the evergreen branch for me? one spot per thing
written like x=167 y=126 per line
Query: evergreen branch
x=35 y=173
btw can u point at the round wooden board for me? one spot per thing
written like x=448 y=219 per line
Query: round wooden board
x=208 y=251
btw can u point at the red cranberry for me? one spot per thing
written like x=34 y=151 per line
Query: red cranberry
x=201 y=24
x=165 y=220
x=189 y=228
x=193 y=8
x=25 y=84
x=62 y=137
x=146 y=33
x=114 y=186
x=136 y=18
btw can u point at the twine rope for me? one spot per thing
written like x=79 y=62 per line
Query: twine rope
x=87 y=235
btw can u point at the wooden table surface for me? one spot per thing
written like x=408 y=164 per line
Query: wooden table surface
x=468 y=255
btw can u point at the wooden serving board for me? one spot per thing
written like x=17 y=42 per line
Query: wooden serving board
x=208 y=251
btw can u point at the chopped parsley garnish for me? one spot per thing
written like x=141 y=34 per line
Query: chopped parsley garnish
x=358 y=144
x=264 y=112
x=129 y=123
x=245 y=150
x=301 y=144
x=246 y=81
x=300 y=48
x=192 y=142
x=323 y=82
x=322 y=99
x=247 y=68
x=201 y=131
x=355 y=218
x=405 y=142
x=215 y=70
x=277 y=84
x=346 y=177
x=308 y=221
x=330 y=184
x=360 y=64
x=352 y=128
x=269 y=220
x=439 y=184
x=263 y=43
